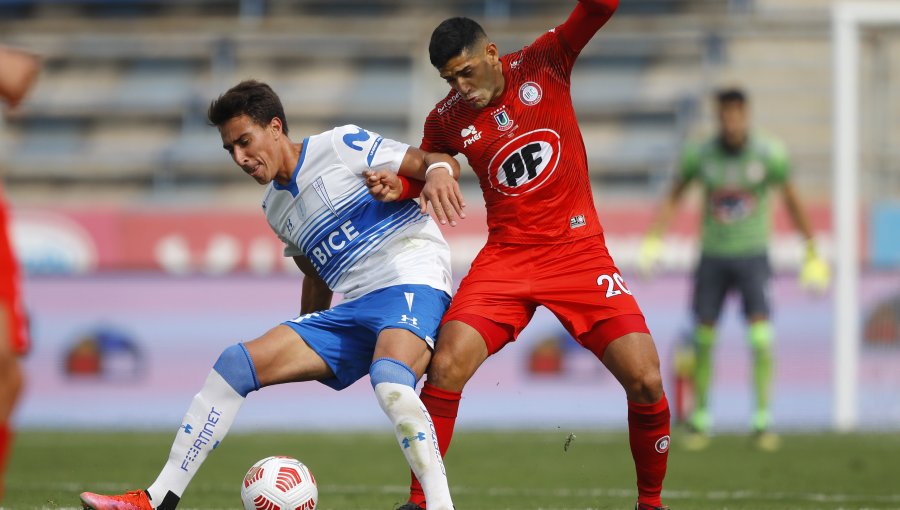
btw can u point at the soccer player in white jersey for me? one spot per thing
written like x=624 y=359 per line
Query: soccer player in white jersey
x=388 y=260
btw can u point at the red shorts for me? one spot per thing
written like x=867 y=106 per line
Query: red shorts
x=577 y=281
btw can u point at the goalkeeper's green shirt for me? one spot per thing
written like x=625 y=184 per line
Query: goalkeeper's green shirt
x=736 y=212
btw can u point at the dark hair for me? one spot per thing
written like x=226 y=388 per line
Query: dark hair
x=451 y=37
x=731 y=95
x=251 y=98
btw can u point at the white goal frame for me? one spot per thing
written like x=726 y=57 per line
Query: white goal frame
x=848 y=18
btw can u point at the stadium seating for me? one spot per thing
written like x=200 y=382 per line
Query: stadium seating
x=126 y=83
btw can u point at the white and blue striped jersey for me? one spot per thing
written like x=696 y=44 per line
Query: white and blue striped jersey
x=356 y=243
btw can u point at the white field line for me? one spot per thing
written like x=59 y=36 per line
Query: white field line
x=669 y=495
x=382 y=508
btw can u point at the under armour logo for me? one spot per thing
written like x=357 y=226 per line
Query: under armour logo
x=407 y=440
x=412 y=321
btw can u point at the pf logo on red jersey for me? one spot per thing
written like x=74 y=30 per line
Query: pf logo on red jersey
x=525 y=162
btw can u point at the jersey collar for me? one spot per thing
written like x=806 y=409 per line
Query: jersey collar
x=292 y=186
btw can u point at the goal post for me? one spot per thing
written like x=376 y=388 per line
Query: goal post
x=849 y=18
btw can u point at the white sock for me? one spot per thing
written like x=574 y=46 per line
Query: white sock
x=206 y=423
x=418 y=440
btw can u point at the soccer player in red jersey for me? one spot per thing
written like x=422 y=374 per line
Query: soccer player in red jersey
x=13 y=339
x=512 y=117
x=18 y=70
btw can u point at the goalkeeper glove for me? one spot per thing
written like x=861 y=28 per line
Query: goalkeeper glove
x=649 y=254
x=815 y=274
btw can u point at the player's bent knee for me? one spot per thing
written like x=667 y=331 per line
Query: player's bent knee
x=448 y=373
x=705 y=336
x=236 y=367
x=457 y=356
x=17 y=380
x=388 y=370
x=760 y=335
x=11 y=382
x=645 y=386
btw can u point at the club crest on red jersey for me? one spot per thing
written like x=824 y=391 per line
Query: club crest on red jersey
x=530 y=93
x=525 y=162
x=504 y=123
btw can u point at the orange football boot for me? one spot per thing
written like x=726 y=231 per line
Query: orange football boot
x=131 y=500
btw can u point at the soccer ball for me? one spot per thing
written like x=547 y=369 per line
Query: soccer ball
x=279 y=483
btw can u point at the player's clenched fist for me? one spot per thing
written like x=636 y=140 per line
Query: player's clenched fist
x=384 y=185
x=440 y=189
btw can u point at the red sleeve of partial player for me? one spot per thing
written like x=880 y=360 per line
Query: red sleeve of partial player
x=8 y=267
x=9 y=289
x=587 y=17
x=412 y=188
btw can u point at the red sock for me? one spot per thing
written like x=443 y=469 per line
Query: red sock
x=5 y=442
x=648 y=434
x=442 y=405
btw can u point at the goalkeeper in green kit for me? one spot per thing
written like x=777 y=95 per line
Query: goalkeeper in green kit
x=736 y=168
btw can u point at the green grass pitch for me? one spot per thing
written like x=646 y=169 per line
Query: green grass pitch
x=488 y=470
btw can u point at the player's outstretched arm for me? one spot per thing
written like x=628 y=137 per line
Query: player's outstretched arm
x=814 y=274
x=316 y=295
x=792 y=201
x=651 y=247
x=587 y=17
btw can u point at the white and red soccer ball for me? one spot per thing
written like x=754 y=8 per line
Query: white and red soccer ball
x=279 y=483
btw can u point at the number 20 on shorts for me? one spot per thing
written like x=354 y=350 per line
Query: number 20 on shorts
x=615 y=284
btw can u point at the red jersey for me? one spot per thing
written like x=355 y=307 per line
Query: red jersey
x=9 y=288
x=525 y=145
